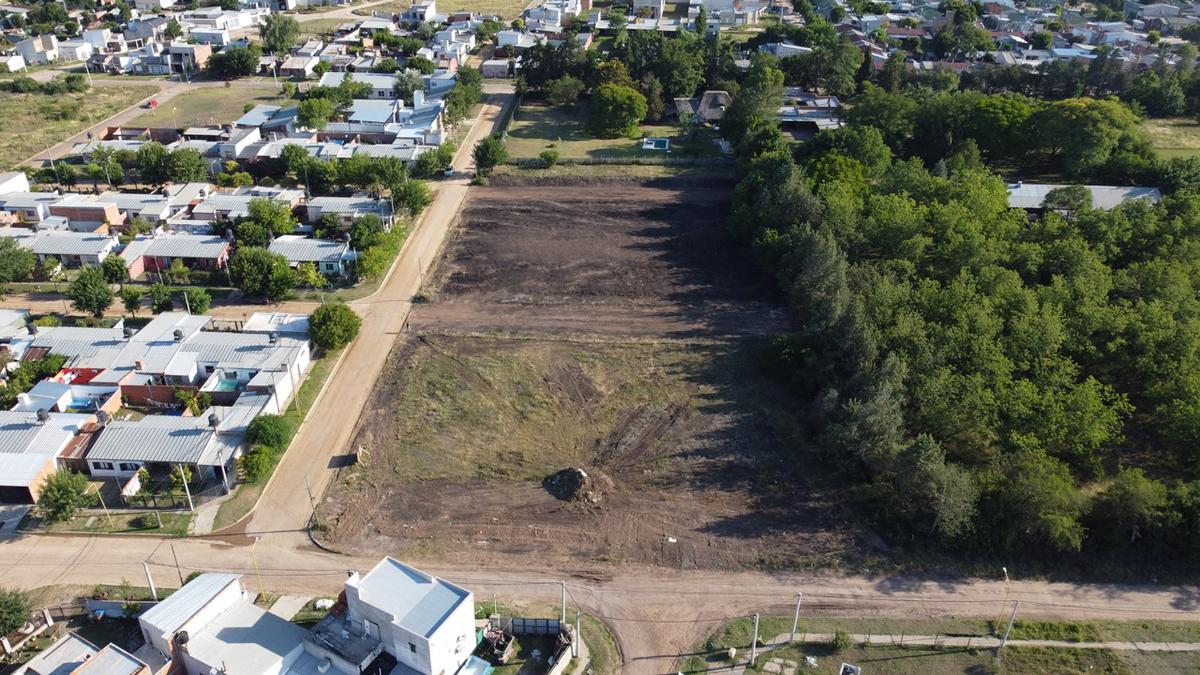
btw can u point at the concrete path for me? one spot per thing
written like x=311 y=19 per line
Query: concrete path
x=205 y=516
x=986 y=642
x=288 y=606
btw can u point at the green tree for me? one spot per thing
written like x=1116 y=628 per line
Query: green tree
x=334 y=325
x=563 y=92
x=420 y=64
x=408 y=81
x=1031 y=499
x=152 y=160
x=115 y=269
x=271 y=431
x=161 y=299
x=132 y=299
x=272 y=215
x=1130 y=507
x=488 y=153
x=261 y=273
x=197 y=299
x=314 y=113
x=616 y=111
x=63 y=493
x=412 y=196
x=234 y=62
x=279 y=32
x=172 y=31
x=14 y=610
x=16 y=262
x=186 y=166
x=307 y=276
x=90 y=292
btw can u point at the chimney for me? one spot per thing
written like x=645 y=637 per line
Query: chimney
x=139 y=364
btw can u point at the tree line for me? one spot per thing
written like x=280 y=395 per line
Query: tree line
x=991 y=383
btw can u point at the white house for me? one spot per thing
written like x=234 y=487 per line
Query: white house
x=13 y=181
x=38 y=51
x=211 y=625
x=420 y=12
x=426 y=623
x=382 y=85
x=75 y=50
x=12 y=63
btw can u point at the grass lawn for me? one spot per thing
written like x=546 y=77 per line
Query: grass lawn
x=321 y=26
x=174 y=524
x=560 y=171
x=211 y=105
x=36 y=121
x=1173 y=137
x=246 y=495
x=505 y=9
x=538 y=128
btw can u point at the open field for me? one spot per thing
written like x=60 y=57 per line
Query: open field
x=689 y=451
x=1173 y=137
x=210 y=105
x=538 y=128
x=34 y=122
x=505 y=9
x=322 y=26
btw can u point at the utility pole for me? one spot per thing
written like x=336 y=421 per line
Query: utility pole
x=177 y=570
x=796 y=616
x=150 y=580
x=312 y=501
x=754 y=642
x=186 y=490
x=262 y=591
x=563 y=586
x=575 y=641
x=1011 y=617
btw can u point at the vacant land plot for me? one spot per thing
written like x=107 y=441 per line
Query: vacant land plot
x=210 y=105
x=538 y=128
x=33 y=122
x=1173 y=137
x=690 y=454
x=323 y=26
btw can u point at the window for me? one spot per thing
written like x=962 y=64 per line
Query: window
x=412 y=648
x=102 y=466
x=128 y=466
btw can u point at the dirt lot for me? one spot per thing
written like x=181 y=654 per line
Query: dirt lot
x=608 y=328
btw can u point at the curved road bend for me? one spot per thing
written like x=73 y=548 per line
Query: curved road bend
x=656 y=614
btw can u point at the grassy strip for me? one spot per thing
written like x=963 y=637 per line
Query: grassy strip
x=246 y=495
x=174 y=524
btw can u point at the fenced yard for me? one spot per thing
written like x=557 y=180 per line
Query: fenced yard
x=536 y=128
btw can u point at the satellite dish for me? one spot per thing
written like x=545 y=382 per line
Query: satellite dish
x=104 y=417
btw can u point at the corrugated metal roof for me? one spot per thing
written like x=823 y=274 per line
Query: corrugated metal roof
x=62 y=657
x=59 y=242
x=167 y=439
x=418 y=602
x=303 y=249
x=1033 y=195
x=26 y=446
x=169 y=615
x=112 y=660
x=188 y=246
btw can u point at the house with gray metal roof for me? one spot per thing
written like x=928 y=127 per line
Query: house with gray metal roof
x=30 y=444
x=73 y=655
x=1032 y=196
x=330 y=257
x=71 y=249
x=347 y=209
x=149 y=254
x=425 y=623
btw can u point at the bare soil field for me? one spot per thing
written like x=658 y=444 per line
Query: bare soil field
x=654 y=253
x=583 y=388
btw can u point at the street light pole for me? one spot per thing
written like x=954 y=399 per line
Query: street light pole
x=796 y=616
x=262 y=591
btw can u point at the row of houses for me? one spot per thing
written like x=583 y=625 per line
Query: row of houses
x=393 y=619
x=71 y=419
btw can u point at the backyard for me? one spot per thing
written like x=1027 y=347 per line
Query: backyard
x=36 y=122
x=535 y=129
x=209 y=105
x=1173 y=137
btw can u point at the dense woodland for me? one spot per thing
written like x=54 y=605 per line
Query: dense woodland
x=995 y=384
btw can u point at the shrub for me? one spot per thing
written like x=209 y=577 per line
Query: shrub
x=549 y=158
x=334 y=325
x=256 y=463
x=841 y=641
x=14 y=610
x=63 y=493
x=269 y=430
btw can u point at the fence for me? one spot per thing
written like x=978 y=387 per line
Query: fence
x=173 y=500
x=521 y=626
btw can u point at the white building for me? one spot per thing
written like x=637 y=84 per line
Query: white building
x=13 y=181
x=383 y=86
x=426 y=623
x=75 y=50
x=12 y=63
x=38 y=51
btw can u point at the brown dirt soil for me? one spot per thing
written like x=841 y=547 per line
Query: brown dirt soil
x=613 y=330
x=648 y=258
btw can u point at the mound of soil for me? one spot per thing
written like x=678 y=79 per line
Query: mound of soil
x=577 y=486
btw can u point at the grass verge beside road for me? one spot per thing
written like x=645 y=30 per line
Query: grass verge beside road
x=505 y=9
x=210 y=105
x=246 y=494
x=94 y=522
x=34 y=122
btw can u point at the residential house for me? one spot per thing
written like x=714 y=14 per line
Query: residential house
x=145 y=31
x=12 y=63
x=73 y=655
x=496 y=68
x=32 y=443
x=425 y=623
x=29 y=207
x=71 y=249
x=236 y=204
x=1032 y=196
x=190 y=58
x=211 y=625
x=299 y=66
x=707 y=108
x=653 y=9
x=13 y=181
x=383 y=86
x=75 y=50
x=419 y=12
x=348 y=209
x=87 y=213
x=157 y=253
x=152 y=5
x=331 y=258
x=39 y=51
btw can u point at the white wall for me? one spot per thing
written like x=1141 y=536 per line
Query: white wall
x=231 y=594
